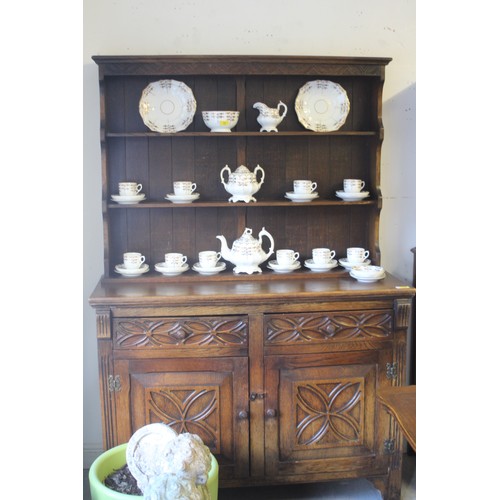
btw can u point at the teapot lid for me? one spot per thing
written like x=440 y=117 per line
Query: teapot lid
x=246 y=240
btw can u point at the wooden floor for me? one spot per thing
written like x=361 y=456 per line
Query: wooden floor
x=358 y=489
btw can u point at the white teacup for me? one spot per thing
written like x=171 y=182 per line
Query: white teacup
x=184 y=188
x=286 y=257
x=304 y=186
x=353 y=185
x=129 y=188
x=356 y=255
x=133 y=260
x=209 y=258
x=175 y=260
x=322 y=255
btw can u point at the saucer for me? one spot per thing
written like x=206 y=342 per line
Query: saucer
x=302 y=197
x=209 y=271
x=349 y=265
x=273 y=264
x=131 y=199
x=320 y=268
x=352 y=196
x=367 y=280
x=131 y=273
x=182 y=198
x=170 y=271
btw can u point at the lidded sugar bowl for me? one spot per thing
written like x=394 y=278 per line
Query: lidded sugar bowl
x=242 y=183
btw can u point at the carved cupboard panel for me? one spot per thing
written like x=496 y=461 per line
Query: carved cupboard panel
x=208 y=397
x=320 y=411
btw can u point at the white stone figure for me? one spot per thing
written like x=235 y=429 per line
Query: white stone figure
x=173 y=487
x=167 y=465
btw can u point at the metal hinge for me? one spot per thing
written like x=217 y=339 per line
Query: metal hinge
x=389 y=445
x=114 y=383
x=391 y=370
x=254 y=396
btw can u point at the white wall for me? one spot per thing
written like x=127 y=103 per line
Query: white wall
x=385 y=28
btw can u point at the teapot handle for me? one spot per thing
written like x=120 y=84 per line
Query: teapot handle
x=282 y=104
x=222 y=174
x=257 y=168
x=263 y=232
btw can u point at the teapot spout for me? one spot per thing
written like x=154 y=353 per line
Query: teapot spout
x=224 y=250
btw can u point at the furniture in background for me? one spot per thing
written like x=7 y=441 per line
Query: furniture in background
x=401 y=403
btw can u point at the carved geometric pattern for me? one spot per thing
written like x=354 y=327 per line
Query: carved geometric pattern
x=317 y=328
x=329 y=413
x=193 y=410
x=180 y=331
x=233 y=67
x=103 y=324
x=403 y=312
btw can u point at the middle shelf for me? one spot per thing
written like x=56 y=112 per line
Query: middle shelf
x=227 y=204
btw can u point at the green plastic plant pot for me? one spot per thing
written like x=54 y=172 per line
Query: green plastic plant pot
x=114 y=459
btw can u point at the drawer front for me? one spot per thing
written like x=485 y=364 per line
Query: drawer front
x=327 y=327
x=180 y=332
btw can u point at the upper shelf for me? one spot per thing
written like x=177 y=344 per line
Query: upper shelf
x=242 y=134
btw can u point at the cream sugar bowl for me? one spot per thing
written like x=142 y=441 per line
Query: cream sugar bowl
x=242 y=183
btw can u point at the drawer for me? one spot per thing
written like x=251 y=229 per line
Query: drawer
x=327 y=327
x=186 y=333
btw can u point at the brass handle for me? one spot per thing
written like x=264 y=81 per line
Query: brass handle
x=243 y=415
x=271 y=413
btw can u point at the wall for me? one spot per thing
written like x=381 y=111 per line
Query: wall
x=385 y=28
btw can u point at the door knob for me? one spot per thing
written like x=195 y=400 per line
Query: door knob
x=243 y=415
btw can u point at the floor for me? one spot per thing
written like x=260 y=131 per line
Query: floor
x=358 y=489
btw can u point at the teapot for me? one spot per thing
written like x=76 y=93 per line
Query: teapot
x=246 y=253
x=270 y=118
x=242 y=183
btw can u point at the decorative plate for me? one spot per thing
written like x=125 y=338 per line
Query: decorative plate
x=167 y=106
x=322 y=106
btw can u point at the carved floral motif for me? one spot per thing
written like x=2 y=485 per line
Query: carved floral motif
x=193 y=410
x=329 y=413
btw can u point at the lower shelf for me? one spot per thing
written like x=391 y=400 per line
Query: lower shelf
x=228 y=275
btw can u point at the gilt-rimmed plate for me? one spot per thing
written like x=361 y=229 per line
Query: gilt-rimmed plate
x=167 y=106
x=322 y=106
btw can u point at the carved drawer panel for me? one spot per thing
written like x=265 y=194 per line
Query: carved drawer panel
x=180 y=332
x=316 y=328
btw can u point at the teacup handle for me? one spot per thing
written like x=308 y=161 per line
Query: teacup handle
x=184 y=259
x=139 y=188
x=332 y=254
x=143 y=258
x=296 y=256
x=218 y=255
x=362 y=185
x=314 y=185
x=367 y=253
x=193 y=187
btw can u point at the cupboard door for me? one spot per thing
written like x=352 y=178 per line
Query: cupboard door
x=321 y=413
x=207 y=397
